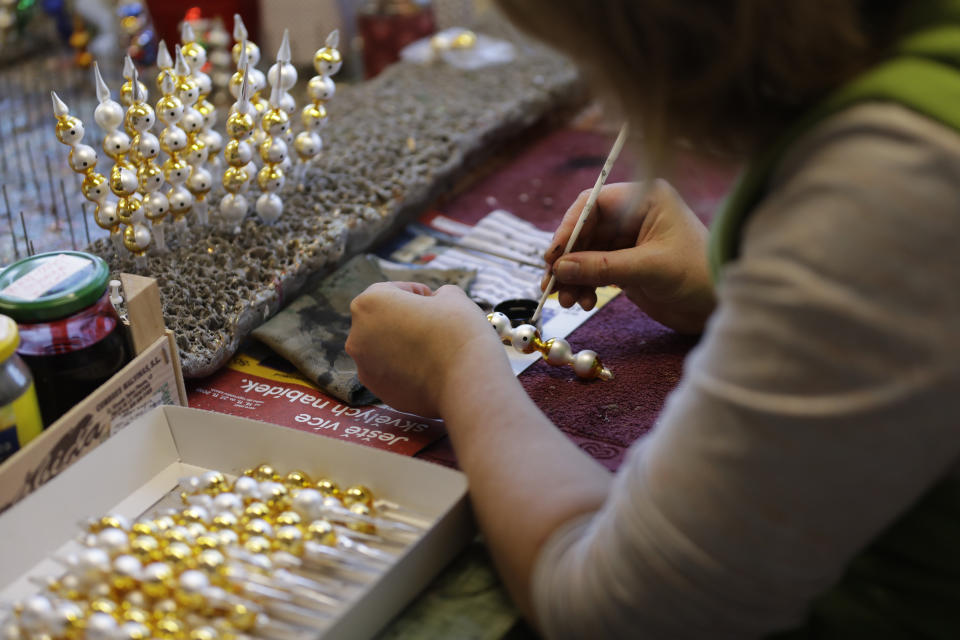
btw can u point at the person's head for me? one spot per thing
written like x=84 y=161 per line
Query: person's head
x=722 y=73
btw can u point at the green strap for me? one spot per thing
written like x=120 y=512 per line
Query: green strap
x=923 y=78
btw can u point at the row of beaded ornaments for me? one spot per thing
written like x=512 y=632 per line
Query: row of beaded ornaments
x=263 y=556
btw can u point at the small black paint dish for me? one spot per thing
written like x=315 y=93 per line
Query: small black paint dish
x=519 y=311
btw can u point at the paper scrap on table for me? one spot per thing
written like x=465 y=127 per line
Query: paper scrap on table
x=500 y=279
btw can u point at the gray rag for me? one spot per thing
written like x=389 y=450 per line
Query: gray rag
x=312 y=330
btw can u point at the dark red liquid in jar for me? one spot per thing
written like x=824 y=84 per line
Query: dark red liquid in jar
x=70 y=357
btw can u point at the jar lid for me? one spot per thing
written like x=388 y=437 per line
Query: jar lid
x=52 y=285
x=9 y=337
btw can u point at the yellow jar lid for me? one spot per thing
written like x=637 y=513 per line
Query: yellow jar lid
x=9 y=337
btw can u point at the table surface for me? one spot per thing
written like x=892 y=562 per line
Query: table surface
x=603 y=418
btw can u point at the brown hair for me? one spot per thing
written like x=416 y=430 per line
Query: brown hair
x=726 y=74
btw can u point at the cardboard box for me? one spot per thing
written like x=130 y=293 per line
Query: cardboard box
x=152 y=378
x=140 y=465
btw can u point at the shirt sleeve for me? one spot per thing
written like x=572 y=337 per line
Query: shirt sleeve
x=822 y=401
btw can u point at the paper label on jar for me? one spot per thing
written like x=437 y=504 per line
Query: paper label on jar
x=45 y=277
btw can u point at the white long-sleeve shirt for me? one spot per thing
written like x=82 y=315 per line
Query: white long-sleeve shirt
x=822 y=401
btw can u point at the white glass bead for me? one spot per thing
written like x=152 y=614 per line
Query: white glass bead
x=234 y=207
x=82 y=157
x=108 y=115
x=148 y=146
x=288 y=75
x=200 y=180
x=501 y=324
x=100 y=626
x=173 y=138
x=321 y=88
x=308 y=144
x=155 y=205
x=113 y=540
x=269 y=207
x=227 y=501
x=273 y=150
x=116 y=143
x=308 y=503
x=560 y=352
x=583 y=362
x=522 y=338
x=106 y=214
x=192 y=120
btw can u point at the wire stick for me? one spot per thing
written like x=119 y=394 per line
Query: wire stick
x=13 y=231
x=584 y=214
x=26 y=236
x=66 y=213
x=86 y=225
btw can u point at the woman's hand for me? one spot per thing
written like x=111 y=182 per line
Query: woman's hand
x=407 y=339
x=655 y=249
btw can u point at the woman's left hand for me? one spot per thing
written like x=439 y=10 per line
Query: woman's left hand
x=406 y=339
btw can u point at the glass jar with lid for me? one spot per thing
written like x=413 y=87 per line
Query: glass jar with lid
x=19 y=414
x=70 y=334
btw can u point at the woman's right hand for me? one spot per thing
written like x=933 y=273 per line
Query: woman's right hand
x=654 y=248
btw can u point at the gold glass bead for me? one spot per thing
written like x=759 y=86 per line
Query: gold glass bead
x=265 y=472
x=169 y=628
x=195 y=529
x=204 y=633
x=268 y=179
x=169 y=106
x=289 y=538
x=297 y=480
x=178 y=554
x=231 y=153
x=322 y=532
x=145 y=548
x=328 y=487
x=176 y=534
x=207 y=541
x=256 y=510
x=187 y=89
x=275 y=122
x=253 y=52
x=172 y=165
x=235 y=179
x=189 y=599
x=103 y=605
x=163 y=523
x=164 y=607
x=225 y=520
x=257 y=544
x=242 y=617
x=216 y=483
x=326 y=55
x=288 y=518
x=144 y=528
x=156 y=579
x=126 y=92
x=313 y=116
x=357 y=525
x=210 y=560
x=358 y=494
x=258 y=527
x=135 y=614
x=139 y=115
x=126 y=207
x=92 y=186
x=239 y=125
x=193 y=51
x=192 y=514
x=69 y=129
